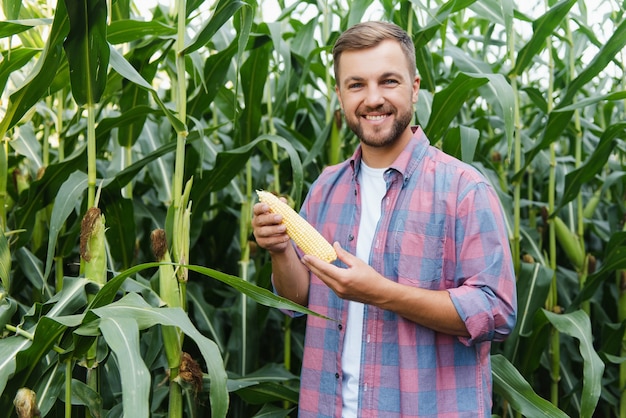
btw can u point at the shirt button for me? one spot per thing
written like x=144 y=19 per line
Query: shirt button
x=336 y=375
x=340 y=327
x=350 y=237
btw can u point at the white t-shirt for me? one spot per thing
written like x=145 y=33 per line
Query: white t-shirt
x=373 y=189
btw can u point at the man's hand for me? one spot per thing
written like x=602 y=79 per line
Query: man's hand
x=268 y=230
x=358 y=282
x=361 y=283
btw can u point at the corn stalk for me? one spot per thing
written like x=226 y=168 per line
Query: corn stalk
x=517 y=151
x=169 y=292
x=552 y=302
x=181 y=211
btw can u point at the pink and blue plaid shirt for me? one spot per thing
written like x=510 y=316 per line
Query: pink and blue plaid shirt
x=441 y=227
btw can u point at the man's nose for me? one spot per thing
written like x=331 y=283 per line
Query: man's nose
x=374 y=96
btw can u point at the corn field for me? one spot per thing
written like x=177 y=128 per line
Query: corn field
x=134 y=136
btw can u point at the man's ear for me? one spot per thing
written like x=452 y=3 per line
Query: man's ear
x=338 y=93
x=416 y=88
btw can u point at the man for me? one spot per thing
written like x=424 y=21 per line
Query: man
x=424 y=278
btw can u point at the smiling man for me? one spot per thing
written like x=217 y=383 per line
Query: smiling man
x=424 y=278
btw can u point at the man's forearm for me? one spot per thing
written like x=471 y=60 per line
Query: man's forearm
x=290 y=277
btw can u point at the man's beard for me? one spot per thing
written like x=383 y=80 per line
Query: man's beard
x=375 y=140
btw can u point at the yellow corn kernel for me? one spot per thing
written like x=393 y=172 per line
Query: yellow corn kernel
x=299 y=230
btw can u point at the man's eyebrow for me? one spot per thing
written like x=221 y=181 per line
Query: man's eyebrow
x=352 y=78
x=390 y=74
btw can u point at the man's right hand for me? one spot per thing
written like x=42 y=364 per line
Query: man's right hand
x=269 y=231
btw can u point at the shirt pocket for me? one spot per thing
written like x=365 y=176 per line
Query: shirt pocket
x=418 y=248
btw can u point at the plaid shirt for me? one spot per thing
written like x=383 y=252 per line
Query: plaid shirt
x=441 y=227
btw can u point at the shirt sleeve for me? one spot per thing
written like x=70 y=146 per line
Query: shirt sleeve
x=486 y=300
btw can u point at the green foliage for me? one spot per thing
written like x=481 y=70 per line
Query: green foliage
x=531 y=95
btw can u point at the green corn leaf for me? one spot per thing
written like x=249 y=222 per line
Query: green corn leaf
x=282 y=47
x=123 y=68
x=254 y=72
x=224 y=10
x=70 y=192
x=133 y=96
x=49 y=387
x=614 y=259
x=448 y=102
x=70 y=299
x=16 y=26
x=425 y=34
x=266 y=392
x=612 y=48
x=87 y=396
x=215 y=73
x=229 y=163
x=87 y=50
x=543 y=27
x=425 y=69
x=42 y=75
x=14 y=60
x=559 y=119
x=19 y=353
x=203 y=313
x=303 y=43
x=594 y=165
x=27 y=145
x=357 y=10
x=119 y=213
x=129 y=30
x=45 y=336
x=490 y=9
x=496 y=91
x=9 y=348
x=32 y=267
x=511 y=385
x=8 y=307
x=613 y=96
x=533 y=286
x=133 y=306
x=507 y=8
x=43 y=192
x=122 y=122
x=461 y=142
x=122 y=335
x=577 y=324
x=11 y=8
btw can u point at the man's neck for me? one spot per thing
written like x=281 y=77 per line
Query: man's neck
x=382 y=157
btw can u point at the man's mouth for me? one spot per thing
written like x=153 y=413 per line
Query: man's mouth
x=376 y=117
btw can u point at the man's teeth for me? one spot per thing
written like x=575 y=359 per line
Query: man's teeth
x=375 y=117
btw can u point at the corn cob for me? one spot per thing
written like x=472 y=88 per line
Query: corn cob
x=26 y=403
x=92 y=245
x=299 y=230
x=570 y=243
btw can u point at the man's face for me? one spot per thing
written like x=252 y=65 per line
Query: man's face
x=377 y=93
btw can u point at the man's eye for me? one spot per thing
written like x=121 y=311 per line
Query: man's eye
x=355 y=85
x=390 y=82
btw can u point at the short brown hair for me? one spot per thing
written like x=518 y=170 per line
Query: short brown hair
x=369 y=34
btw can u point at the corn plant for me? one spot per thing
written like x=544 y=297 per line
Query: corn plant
x=168 y=116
